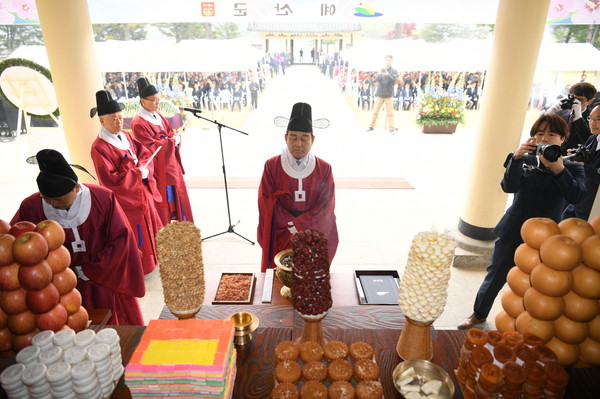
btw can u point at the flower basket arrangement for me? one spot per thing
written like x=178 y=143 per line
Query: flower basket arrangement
x=165 y=107
x=439 y=107
x=132 y=105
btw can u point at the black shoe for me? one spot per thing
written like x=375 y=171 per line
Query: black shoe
x=393 y=131
x=470 y=322
x=370 y=129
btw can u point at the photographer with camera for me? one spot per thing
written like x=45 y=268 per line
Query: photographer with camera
x=589 y=154
x=539 y=193
x=574 y=110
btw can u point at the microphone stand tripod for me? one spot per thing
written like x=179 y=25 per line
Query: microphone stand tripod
x=230 y=229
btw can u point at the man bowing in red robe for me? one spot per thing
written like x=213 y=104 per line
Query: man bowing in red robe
x=297 y=191
x=125 y=166
x=153 y=130
x=104 y=254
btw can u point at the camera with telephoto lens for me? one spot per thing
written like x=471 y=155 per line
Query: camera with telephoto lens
x=567 y=103
x=579 y=154
x=550 y=151
x=532 y=164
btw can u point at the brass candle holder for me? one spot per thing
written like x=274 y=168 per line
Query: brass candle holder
x=244 y=324
x=283 y=272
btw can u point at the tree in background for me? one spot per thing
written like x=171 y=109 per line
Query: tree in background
x=227 y=30
x=13 y=36
x=439 y=32
x=577 y=34
x=401 y=31
x=104 y=32
x=185 y=31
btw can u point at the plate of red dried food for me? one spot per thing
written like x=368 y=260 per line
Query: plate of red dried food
x=235 y=288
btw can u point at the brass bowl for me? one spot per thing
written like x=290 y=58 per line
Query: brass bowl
x=241 y=320
x=245 y=324
x=427 y=370
x=283 y=272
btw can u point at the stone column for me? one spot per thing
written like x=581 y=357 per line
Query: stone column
x=516 y=44
x=69 y=40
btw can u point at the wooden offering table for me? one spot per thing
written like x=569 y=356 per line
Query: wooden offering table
x=379 y=325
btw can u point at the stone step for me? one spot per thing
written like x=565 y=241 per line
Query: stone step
x=465 y=258
x=470 y=252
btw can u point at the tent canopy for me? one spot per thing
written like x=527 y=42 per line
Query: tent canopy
x=198 y=55
x=462 y=55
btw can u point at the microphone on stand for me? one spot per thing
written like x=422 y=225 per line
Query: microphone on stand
x=192 y=110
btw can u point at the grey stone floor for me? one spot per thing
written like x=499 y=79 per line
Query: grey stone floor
x=376 y=226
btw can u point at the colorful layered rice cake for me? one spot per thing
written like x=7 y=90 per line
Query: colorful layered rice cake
x=183 y=358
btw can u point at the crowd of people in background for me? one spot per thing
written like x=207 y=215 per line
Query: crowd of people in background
x=410 y=86
x=234 y=90
x=239 y=90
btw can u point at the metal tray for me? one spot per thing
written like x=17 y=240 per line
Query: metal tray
x=250 y=296
x=377 y=287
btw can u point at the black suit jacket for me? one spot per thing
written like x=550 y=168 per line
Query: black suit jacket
x=592 y=180
x=579 y=132
x=540 y=194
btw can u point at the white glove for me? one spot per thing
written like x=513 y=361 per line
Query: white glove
x=555 y=108
x=576 y=109
x=291 y=228
x=80 y=273
x=145 y=172
x=177 y=139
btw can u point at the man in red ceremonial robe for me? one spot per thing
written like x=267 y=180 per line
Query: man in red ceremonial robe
x=297 y=191
x=151 y=129
x=125 y=166
x=104 y=254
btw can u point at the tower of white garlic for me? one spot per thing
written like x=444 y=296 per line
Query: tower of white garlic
x=424 y=283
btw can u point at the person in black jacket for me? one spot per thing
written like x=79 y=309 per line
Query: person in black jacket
x=591 y=165
x=540 y=188
x=385 y=94
x=575 y=112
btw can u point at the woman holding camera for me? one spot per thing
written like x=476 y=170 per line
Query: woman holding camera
x=539 y=191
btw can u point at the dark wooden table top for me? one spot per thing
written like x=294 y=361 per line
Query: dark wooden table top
x=378 y=325
x=256 y=362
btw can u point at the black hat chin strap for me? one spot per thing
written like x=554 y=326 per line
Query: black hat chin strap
x=33 y=161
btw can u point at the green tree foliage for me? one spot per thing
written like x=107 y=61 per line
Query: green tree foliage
x=104 y=32
x=576 y=34
x=13 y=36
x=227 y=30
x=440 y=32
x=184 y=31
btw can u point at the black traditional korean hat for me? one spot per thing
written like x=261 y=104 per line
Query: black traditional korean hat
x=56 y=177
x=145 y=88
x=301 y=120
x=105 y=105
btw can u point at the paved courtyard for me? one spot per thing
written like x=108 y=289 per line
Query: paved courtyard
x=376 y=226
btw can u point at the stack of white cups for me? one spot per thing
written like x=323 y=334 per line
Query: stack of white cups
x=28 y=355
x=85 y=338
x=85 y=380
x=51 y=355
x=34 y=378
x=43 y=339
x=59 y=378
x=110 y=337
x=74 y=355
x=100 y=355
x=66 y=365
x=64 y=339
x=11 y=381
